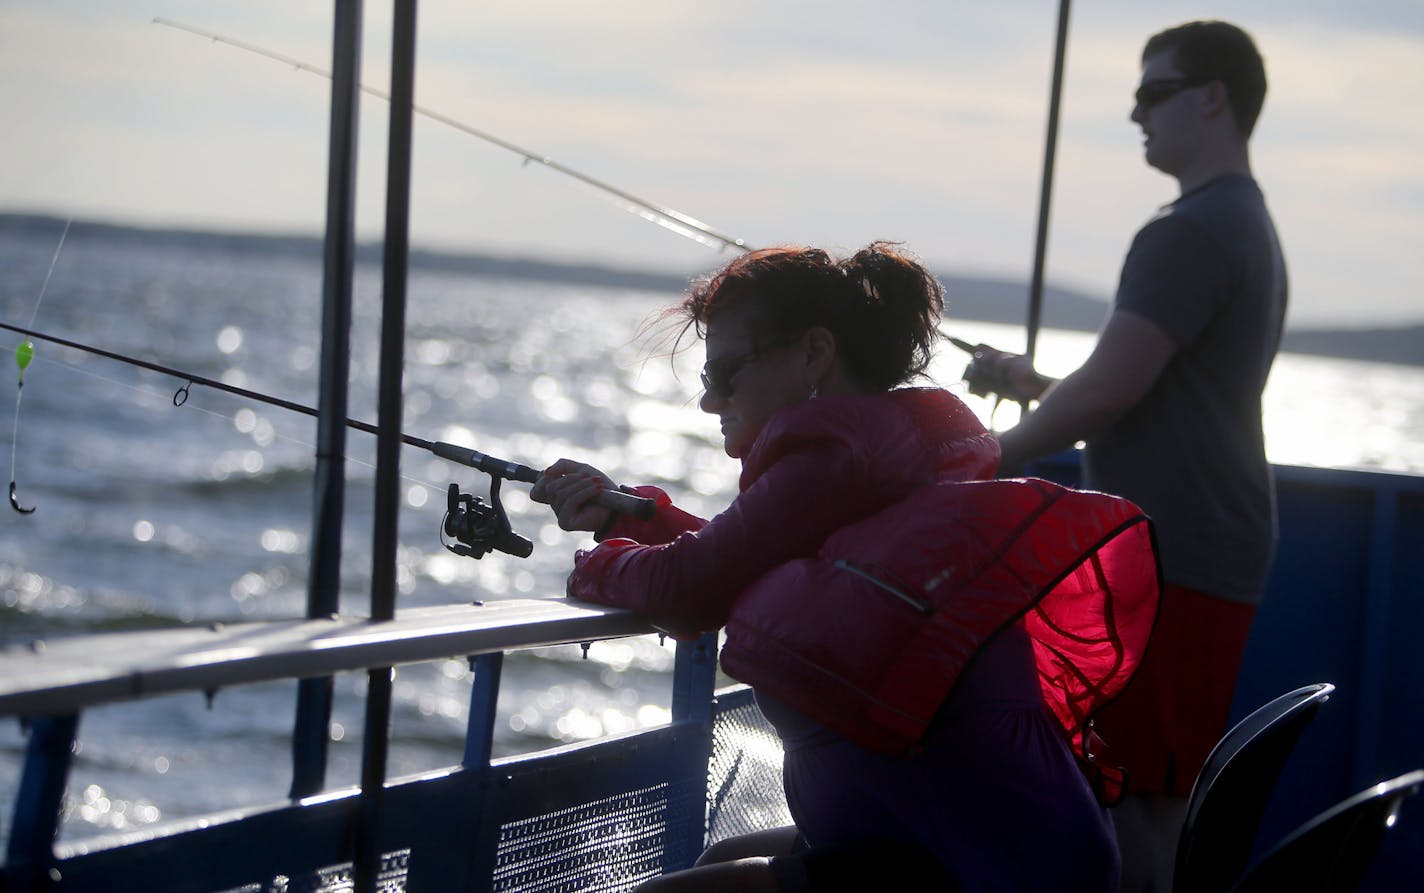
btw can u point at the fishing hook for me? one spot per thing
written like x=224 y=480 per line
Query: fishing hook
x=23 y=355
x=15 y=502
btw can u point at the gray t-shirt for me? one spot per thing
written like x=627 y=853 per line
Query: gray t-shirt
x=1208 y=270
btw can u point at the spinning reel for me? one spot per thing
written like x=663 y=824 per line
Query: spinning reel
x=479 y=528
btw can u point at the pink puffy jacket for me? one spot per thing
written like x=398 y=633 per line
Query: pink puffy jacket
x=868 y=557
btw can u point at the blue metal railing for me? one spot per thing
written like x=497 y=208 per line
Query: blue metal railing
x=483 y=825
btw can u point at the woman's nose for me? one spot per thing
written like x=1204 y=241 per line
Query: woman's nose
x=710 y=403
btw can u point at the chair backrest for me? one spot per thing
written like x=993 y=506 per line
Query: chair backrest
x=1231 y=791
x=1331 y=852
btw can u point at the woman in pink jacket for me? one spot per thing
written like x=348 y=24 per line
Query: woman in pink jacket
x=930 y=644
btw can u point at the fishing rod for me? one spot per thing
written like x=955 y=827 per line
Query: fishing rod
x=667 y=217
x=467 y=517
x=982 y=378
x=663 y=216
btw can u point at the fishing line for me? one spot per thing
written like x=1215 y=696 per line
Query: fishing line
x=23 y=355
x=675 y=221
x=164 y=397
x=180 y=397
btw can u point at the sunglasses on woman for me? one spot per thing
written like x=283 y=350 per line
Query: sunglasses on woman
x=717 y=375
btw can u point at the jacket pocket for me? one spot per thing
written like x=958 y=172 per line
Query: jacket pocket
x=919 y=604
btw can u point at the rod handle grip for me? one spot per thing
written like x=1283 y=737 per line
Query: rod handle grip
x=627 y=503
x=488 y=464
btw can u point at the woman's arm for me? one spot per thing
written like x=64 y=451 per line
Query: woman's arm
x=687 y=586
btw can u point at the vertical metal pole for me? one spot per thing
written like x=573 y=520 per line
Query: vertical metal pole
x=388 y=442
x=1374 y=656
x=30 y=854
x=694 y=680
x=694 y=683
x=310 y=732
x=479 y=748
x=367 y=844
x=395 y=264
x=484 y=697
x=1035 y=296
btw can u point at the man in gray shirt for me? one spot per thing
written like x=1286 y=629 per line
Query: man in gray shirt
x=1169 y=405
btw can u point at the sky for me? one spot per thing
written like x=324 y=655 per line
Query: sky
x=831 y=123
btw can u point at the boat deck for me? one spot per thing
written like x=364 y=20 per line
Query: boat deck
x=1345 y=605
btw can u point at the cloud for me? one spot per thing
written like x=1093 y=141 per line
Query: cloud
x=835 y=122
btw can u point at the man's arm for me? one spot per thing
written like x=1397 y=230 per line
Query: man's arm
x=1130 y=354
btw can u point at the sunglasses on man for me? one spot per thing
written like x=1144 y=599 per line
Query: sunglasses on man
x=1150 y=93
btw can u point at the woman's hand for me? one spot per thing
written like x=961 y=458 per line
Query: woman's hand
x=569 y=487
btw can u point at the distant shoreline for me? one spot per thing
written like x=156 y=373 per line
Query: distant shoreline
x=970 y=298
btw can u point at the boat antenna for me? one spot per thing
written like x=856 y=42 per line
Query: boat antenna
x=23 y=355
x=668 y=218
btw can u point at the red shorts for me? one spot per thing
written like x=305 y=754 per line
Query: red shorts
x=1175 y=709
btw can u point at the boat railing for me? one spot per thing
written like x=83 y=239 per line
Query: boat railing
x=597 y=815
x=1344 y=604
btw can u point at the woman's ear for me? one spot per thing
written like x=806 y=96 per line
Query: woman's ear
x=820 y=353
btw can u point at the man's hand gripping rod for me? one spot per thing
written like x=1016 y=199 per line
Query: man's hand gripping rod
x=984 y=379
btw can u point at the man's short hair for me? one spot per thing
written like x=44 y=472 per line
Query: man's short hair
x=1218 y=51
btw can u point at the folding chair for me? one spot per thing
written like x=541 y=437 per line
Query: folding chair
x=1230 y=794
x=1331 y=852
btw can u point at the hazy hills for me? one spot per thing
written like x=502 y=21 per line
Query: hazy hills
x=972 y=298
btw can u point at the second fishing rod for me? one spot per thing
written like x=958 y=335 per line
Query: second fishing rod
x=498 y=469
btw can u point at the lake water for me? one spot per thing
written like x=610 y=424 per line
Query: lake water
x=151 y=515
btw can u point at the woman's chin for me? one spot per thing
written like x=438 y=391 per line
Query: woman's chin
x=734 y=446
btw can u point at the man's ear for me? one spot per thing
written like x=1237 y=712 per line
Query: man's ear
x=1216 y=100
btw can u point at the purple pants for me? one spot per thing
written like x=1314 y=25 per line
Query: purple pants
x=995 y=795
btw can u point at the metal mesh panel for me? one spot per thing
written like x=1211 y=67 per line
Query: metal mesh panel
x=744 y=791
x=607 y=845
x=337 y=878
x=610 y=844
